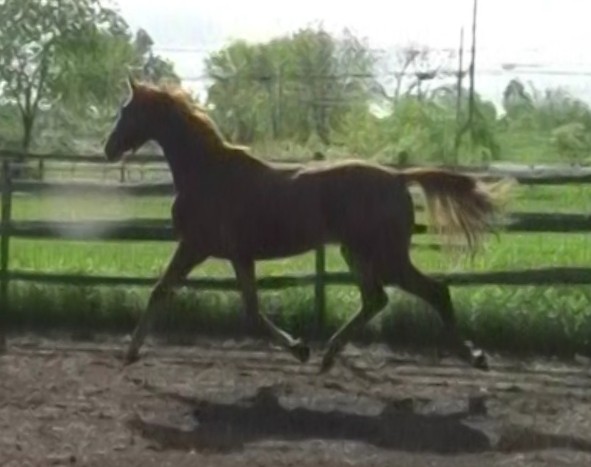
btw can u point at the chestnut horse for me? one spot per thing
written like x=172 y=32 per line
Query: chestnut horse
x=234 y=206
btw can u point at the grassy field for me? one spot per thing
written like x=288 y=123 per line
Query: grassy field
x=540 y=319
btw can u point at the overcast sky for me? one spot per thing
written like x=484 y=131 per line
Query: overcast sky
x=551 y=33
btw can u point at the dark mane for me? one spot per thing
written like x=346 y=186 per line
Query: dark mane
x=194 y=113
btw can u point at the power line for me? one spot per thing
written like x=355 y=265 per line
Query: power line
x=389 y=50
x=386 y=74
x=486 y=72
x=198 y=50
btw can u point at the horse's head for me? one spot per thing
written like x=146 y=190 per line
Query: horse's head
x=133 y=127
x=166 y=114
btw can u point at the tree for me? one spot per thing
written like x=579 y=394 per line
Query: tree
x=238 y=100
x=153 y=67
x=516 y=99
x=290 y=87
x=572 y=141
x=333 y=74
x=95 y=69
x=546 y=123
x=409 y=68
x=92 y=72
x=40 y=41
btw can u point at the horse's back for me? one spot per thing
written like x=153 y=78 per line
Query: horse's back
x=352 y=201
x=286 y=210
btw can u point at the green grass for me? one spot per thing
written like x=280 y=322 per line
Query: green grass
x=537 y=319
x=573 y=198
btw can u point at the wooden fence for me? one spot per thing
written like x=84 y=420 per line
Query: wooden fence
x=160 y=230
x=555 y=174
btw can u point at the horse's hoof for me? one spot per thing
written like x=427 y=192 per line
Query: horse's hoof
x=327 y=363
x=131 y=357
x=301 y=351
x=479 y=360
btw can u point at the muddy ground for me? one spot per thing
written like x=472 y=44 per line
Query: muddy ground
x=228 y=403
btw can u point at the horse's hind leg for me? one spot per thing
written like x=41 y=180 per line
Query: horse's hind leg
x=245 y=275
x=437 y=295
x=373 y=299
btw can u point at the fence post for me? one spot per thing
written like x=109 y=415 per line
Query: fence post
x=122 y=173
x=320 y=279
x=41 y=174
x=320 y=290
x=4 y=246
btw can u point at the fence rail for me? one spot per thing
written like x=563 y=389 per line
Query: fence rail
x=543 y=174
x=161 y=230
x=539 y=276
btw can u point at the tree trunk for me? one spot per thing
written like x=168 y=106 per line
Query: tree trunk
x=28 y=121
x=320 y=123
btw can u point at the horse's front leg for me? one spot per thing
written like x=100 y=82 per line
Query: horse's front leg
x=183 y=260
x=245 y=275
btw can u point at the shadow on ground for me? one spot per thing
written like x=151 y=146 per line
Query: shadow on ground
x=229 y=427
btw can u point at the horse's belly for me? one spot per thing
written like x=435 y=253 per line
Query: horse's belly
x=257 y=240
x=277 y=229
x=280 y=239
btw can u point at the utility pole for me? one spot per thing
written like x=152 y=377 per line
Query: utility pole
x=471 y=101
x=472 y=67
x=459 y=95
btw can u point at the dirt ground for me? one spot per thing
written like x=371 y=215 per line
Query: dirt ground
x=228 y=403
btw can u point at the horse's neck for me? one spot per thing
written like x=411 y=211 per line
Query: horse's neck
x=190 y=160
x=199 y=163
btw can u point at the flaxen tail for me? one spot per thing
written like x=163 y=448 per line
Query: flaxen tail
x=459 y=204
